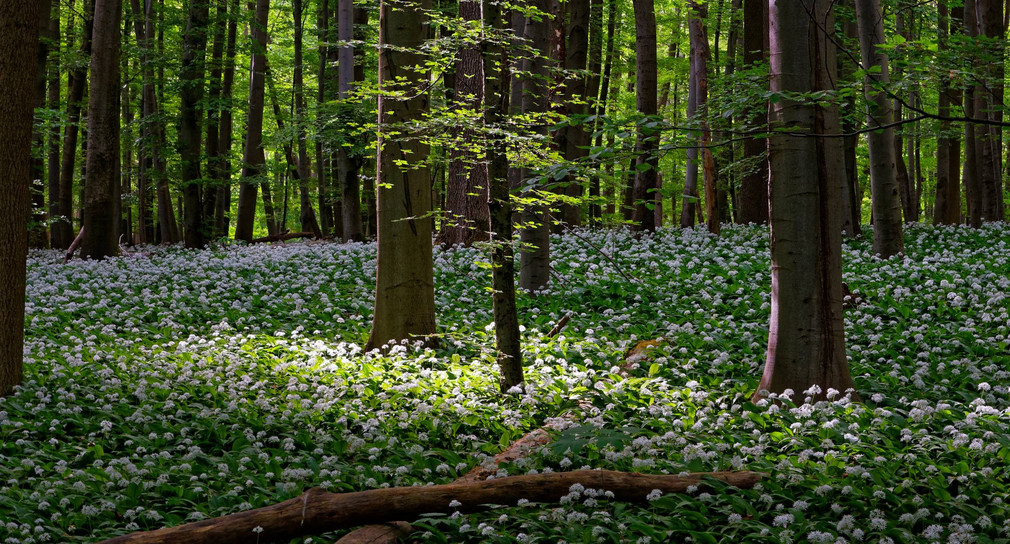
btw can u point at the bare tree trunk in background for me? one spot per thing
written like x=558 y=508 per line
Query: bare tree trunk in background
x=347 y=173
x=306 y=214
x=503 y=287
x=222 y=200
x=887 y=232
x=574 y=137
x=699 y=76
x=467 y=216
x=53 y=151
x=972 y=186
x=100 y=225
x=18 y=42
x=600 y=108
x=252 y=157
x=753 y=197
x=851 y=200
x=404 y=283
x=191 y=78
x=989 y=106
x=63 y=231
x=647 y=139
x=534 y=269
x=947 y=203
x=323 y=180
x=906 y=191
x=37 y=232
x=215 y=179
x=806 y=337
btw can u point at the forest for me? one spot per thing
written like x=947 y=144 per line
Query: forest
x=468 y=271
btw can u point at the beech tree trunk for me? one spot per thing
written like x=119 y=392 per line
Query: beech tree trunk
x=989 y=106
x=347 y=167
x=535 y=259
x=753 y=196
x=404 y=283
x=699 y=81
x=947 y=202
x=466 y=212
x=574 y=138
x=887 y=231
x=317 y=511
x=37 y=232
x=191 y=78
x=253 y=158
x=306 y=214
x=643 y=218
x=102 y=171
x=19 y=38
x=806 y=337
x=971 y=176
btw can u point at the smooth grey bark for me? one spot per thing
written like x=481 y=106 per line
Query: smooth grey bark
x=886 y=203
x=306 y=213
x=947 y=202
x=191 y=78
x=18 y=43
x=753 y=196
x=574 y=139
x=404 y=282
x=252 y=157
x=806 y=337
x=100 y=223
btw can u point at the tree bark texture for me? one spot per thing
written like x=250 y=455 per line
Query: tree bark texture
x=806 y=338
x=18 y=42
x=102 y=170
x=467 y=217
x=306 y=214
x=347 y=167
x=191 y=77
x=887 y=230
x=947 y=202
x=643 y=218
x=971 y=175
x=574 y=138
x=252 y=157
x=699 y=82
x=317 y=511
x=535 y=259
x=404 y=283
x=753 y=197
x=37 y=232
x=989 y=106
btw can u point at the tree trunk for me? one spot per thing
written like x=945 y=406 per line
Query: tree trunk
x=466 y=211
x=77 y=82
x=191 y=76
x=102 y=171
x=306 y=214
x=574 y=136
x=37 y=234
x=989 y=106
x=699 y=81
x=535 y=261
x=317 y=511
x=503 y=283
x=404 y=284
x=216 y=179
x=887 y=232
x=347 y=170
x=222 y=200
x=19 y=38
x=252 y=157
x=947 y=203
x=323 y=181
x=643 y=218
x=753 y=197
x=53 y=151
x=972 y=185
x=600 y=109
x=806 y=337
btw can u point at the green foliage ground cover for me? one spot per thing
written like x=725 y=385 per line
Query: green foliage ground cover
x=175 y=385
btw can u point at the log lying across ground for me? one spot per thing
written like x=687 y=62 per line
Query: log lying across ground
x=317 y=511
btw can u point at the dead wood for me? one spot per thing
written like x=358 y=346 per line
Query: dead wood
x=283 y=236
x=73 y=246
x=556 y=330
x=317 y=511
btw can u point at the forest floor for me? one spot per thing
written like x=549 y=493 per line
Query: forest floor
x=172 y=386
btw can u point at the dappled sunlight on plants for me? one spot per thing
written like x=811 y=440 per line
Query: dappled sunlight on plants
x=173 y=385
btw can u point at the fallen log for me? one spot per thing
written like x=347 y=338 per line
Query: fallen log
x=282 y=237
x=317 y=511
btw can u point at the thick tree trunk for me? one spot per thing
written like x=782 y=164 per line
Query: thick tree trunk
x=404 y=283
x=887 y=232
x=347 y=169
x=252 y=157
x=574 y=136
x=191 y=78
x=806 y=338
x=643 y=218
x=947 y=202
x=989 y=106
x=971 y=175
x=699 y=81
x=102 y=171
x=317 y=511
x=753 y=196
x=466 y=211
x=535 y=261
x=19 y=38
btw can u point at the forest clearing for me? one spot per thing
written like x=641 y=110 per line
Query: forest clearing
x=172 y=386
